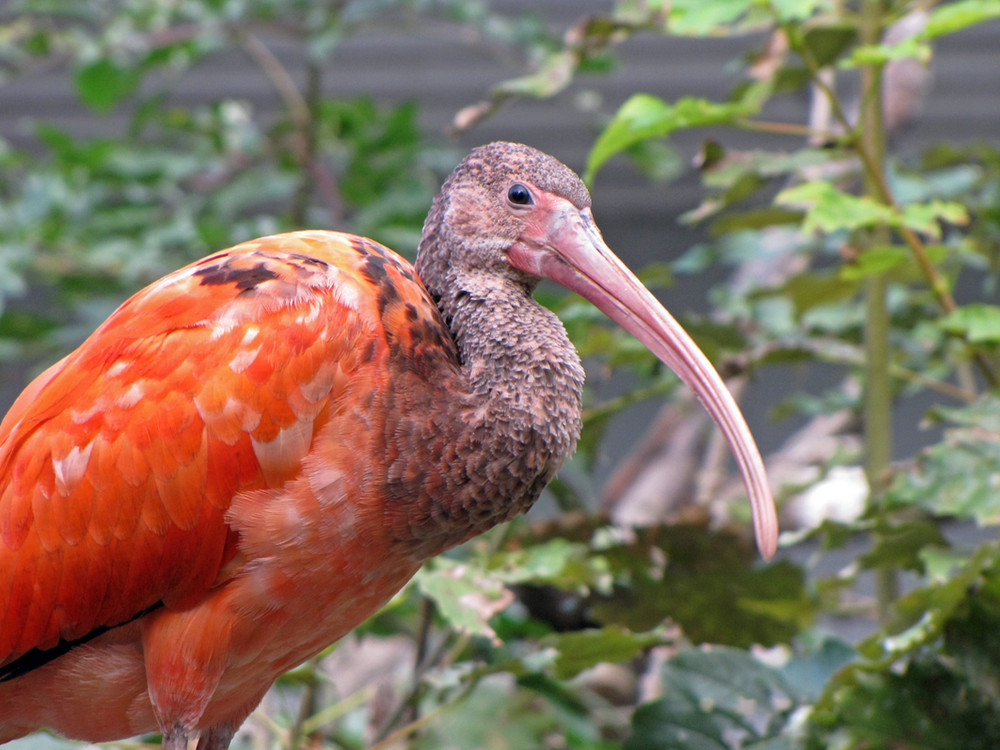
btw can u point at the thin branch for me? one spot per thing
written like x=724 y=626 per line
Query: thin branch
x=879 y=188
x=306 y=136
x=784 y=128
x=307 y=708
x=279 y=76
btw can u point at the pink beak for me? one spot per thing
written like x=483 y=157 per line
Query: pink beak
x=562 y=243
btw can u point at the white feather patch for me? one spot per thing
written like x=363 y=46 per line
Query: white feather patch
x=69 y=469
x=288 y=447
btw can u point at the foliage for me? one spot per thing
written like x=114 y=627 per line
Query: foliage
x=866 y=256
x=584 y=632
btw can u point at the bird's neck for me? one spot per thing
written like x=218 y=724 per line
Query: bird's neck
x=515 y=422
x=517 y=358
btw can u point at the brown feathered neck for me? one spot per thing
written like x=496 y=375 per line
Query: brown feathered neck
x=522 y=376
x=462 y=259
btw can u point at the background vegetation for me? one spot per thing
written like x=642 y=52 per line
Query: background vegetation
x=612 y=624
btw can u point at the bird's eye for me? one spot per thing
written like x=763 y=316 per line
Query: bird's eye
x=519 y=195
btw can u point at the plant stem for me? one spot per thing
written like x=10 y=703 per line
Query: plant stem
x=306 y=147
x=878 y=391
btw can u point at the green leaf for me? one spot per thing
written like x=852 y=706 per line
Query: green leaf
x=902 y=544
x=794 y=10
x=755 y=219
x=714 y=698
x=977 y=322
x=583 y=649
x=829 y=209
x=699 y=18
x=951 y=17
x=551 y=77
x=828 y=42
x=645 y=116
x=709 y=587
x=809 y=290
x=808 y=673
x=923 y=613
x=875 y=261
x=102 y=83
x=926 y=217
x=557 y=562
x=960 y=476
x=464 y=597
x=880 y=54
x=930 y=679
x=26 y=325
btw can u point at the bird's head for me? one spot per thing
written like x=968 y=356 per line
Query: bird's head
x=498 y=195
x=511 y=214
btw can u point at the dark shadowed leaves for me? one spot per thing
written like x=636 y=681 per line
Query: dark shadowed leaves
x=707 y=583
x=718 y=698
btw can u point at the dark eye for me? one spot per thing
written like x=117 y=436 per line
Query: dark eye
x=519 y=195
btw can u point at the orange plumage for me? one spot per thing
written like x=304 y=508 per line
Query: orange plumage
x=120 y=464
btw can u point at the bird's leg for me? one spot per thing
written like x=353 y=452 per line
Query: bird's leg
x=216 y=738
x=175 y=739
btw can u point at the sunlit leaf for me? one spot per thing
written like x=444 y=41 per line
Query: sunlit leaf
x=926 y=217
x=880 y=54
x=948 y=18
x=552 y=76
x=465 y=598
x=832 y=210
x=645 y=116
x=978 y=322
x=699 y=18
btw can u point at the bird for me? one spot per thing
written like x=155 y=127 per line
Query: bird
x=254 y=453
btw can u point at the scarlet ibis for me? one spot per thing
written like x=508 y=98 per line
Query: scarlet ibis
x=252 y=454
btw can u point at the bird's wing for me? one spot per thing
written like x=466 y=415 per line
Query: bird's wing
x=118 y=463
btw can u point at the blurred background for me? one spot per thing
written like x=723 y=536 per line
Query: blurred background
x=136 y=136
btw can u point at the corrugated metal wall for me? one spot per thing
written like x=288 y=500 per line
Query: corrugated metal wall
x=445 y=70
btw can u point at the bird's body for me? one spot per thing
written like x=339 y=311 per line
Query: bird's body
x=255 y=452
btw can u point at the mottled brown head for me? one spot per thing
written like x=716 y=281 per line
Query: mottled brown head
x=509 y=216
x=483 y=208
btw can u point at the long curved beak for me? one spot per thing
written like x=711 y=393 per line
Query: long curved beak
x=564 y=244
